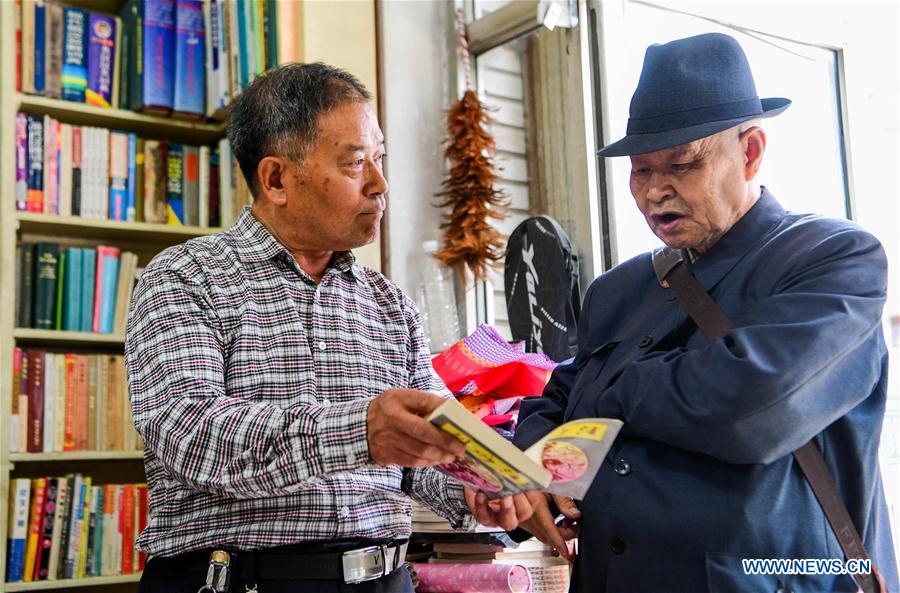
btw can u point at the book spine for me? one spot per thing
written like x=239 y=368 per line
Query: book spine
x=26 y=278
x=102 y=153
x=140 y=164
x=42 y=562
x=59 y=403
x=70 y=568
x=39 y=487
x=40 y=31
x=125 y=57
x=71 y=494
x=46 y=273
x=77 y=156
x=155 y=155
x=215 y=199
x=53 y=44
x=190 y=81
x=127 y=512
x=35 y=401
x=27 y=18
x=158 y=55
x=62 y=496
x=35 y=164
x=224 y=84
x=108 y=295
x=89 y=267
x=115 y=96
x=175 y=185
x=74 y=68
x=243 y=30
x=16 y=418
x=18 y=528
x=21 y=161
x=70 y=442
x=49 y=392
x=60 y=284
x=204 y=187
x=91 y=412
x=64 y=204
x=191 y=185
x=92 y=536
x=83 y=525
x=131 y=194
x=143 y=501
x=24 y=400
x=18 y=10
x=51 y=164
x=211 y=63
x=118 y=175
x=101 y=59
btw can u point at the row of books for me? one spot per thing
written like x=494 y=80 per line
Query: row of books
x=74 y=288
x=106 y=174
x=68 y=401
x=67 y=527
x=188 y=58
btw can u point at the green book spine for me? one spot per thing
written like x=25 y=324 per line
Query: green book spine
x=26 y=277
x=60 y=283
x=46 y=270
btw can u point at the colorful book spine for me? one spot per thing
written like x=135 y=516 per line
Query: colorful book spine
x=191 y=185
x=39 y=486
x=89 y=267
x=53 y=45
x=131 y=186
x=46 y=276
x=101 y=59
x=105 y=288
x=26 y=284
x=59 y=517
x=65 y=170
x=18 y=411
x=71 y=494
x=118 y=175
x=190 y=70
x=42 y=561
x=131 y=54
x=51 y=165
x=83 y=524
x=70 y=568
x=175 y=185
x=72 y=299
x=18 y=528
x=21 y=161
x=77 y=156
x=158 y=79
x=155 y=164
x=18 y=10
x=143 y=502
x=35 y=401
x=74 y=69
x=49 y=394
x=40 y=32
x=35 y=164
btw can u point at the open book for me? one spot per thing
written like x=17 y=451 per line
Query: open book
x=564 y=462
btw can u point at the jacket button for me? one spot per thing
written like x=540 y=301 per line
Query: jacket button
x=622 y=467
x=617 y=545
x=645 y=341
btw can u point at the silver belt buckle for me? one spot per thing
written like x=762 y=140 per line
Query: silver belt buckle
x=364 y=564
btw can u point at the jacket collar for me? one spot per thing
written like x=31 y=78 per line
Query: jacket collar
x=255 y=244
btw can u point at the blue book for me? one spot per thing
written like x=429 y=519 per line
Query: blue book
x=73 y=278
x=131 y=185
x=190 y=50
x=101 y=59
x=20 y=493
x=40 y=33
x=243 y=43
x=97 y=519
x=88 y=266
x=107 y=294
x=158 y=76
x=74 y=68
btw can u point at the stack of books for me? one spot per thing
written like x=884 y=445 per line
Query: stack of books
x=67 y=401
x=67 y=527
x=83 y=289
x=186 y=58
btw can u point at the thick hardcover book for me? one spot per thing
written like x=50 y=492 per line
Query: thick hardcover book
x=40 y=54
x=21 y=161
x=26 y=281
x=191 y=185
x=35 y=163
x=564 y=462
x=155 y=163
x=46 y=274
x=20 y=489
x=60 y=294
x=39 y=489
x=53 y=44
x=157 y=84
x=175 y=185
x=89 y=267
x=105 y=288
x=190 y=70
x=131 y=185
x=74 y=68
x=42 y=562
x=77 y=156
x=101 y=59
x=118 y=175
x=35 y=401
x=72 y=297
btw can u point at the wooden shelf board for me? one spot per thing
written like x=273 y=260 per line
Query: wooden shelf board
x=151 y=126
x=108 y=230
x=71 y=583
x=22 y=334
x=75 y=456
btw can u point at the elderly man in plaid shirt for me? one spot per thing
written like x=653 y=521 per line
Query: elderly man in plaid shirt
x=279 y=386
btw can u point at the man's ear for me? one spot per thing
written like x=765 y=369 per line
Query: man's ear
x=271 y=172
x=753 y=143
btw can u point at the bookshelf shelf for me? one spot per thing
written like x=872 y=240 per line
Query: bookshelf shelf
x=108 y=230
x=150 y=126
x=71 y=583
x=50 y=336
x=75 y=456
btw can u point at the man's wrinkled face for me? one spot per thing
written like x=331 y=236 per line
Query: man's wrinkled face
x=690 y=195
x=336 y=193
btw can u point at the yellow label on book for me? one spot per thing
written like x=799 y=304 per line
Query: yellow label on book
x=580 y=430
x=486 y=458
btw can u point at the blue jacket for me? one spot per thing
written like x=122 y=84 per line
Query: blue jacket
x=702 y=475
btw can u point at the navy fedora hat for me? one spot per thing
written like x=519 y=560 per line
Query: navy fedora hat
x=689 y=89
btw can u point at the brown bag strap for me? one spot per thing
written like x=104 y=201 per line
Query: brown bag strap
x=672 y=271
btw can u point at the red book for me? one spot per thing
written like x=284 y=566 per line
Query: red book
x=35 y=401
x=69 y=437
x=17 y=420
x=126 y=527
x=142 y=496
x=81 y=402
x=18 y=46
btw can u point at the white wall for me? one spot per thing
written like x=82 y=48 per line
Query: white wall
x=414 y=84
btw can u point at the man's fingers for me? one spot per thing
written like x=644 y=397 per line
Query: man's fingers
x=426 y=432
x=523 y=507
x=506 y=516
x=420 y=403
x=567 y=506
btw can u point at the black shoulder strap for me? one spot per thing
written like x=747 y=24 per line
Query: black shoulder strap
x=672 y=271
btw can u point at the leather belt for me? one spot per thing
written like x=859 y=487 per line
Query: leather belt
x=373 y=562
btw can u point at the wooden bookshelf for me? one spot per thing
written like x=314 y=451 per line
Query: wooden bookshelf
x=75 y=456
x=162 y=235
x=28 y=336
x=71 y=583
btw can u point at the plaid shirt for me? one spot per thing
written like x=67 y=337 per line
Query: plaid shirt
x=250 y=386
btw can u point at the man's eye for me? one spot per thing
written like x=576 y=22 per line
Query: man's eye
x=640 y=172
x=681 y=166
x=358 y=162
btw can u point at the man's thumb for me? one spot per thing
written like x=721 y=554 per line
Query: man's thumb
x=567 y=506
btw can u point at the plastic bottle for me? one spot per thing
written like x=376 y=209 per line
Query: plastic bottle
x=442 y=325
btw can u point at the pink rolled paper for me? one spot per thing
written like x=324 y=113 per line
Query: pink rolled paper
x=465 y=578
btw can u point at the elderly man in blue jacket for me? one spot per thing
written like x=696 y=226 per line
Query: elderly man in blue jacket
x=702 y=476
